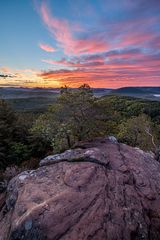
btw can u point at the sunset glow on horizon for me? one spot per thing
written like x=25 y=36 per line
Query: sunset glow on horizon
x=104 y=43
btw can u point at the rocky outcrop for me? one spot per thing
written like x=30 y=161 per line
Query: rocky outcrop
x=99 y=190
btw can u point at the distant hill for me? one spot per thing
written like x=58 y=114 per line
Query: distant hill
x=99 y=92
x=137 y=90
x=152 y=93
x=29 y=99
x=15 y=93
x=36 y=99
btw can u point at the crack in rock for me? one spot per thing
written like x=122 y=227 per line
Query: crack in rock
x=100 y=190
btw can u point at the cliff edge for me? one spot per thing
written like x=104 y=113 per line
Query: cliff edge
x=101 y=190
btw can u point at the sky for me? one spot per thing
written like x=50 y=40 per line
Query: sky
x=104 y=43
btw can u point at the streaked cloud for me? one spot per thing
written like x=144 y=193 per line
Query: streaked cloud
x=115 y=72
x=121 y=49
x=63 y=32
x=47 y=47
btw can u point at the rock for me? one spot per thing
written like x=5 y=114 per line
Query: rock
x=77 y=155
x=99 y=191
x=113 y=139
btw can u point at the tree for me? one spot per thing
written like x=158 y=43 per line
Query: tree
x=77 y=105
x=138 y=132
x=7 y=131
x=74 y=117
x=41 y=134
x=12 y=143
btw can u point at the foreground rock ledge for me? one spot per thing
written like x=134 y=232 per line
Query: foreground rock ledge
x=100 y=190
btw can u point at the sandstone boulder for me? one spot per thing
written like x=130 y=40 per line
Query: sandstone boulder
x=101 y=190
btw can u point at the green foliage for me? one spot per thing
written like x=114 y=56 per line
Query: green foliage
x=7 y=131
x=18 y=153
x=138 y=132
x=13 y=137
x=129 y=106
x=76 y=115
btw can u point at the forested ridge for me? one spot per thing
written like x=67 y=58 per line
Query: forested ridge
x=76 y=115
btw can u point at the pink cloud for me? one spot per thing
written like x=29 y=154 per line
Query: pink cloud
x=47 y=47
x=62 y=31
x=116 y=56
x=5 y=69
x=76 y=64
x=56 y=62
x=126 y=68
x=97 y=60
x=110 y=75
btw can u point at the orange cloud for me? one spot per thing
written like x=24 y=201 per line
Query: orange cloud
x=5 y=69
x=46 y=47
x=111 y=74
x=126 y=68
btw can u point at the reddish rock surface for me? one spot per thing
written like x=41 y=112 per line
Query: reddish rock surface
x=102 y=190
